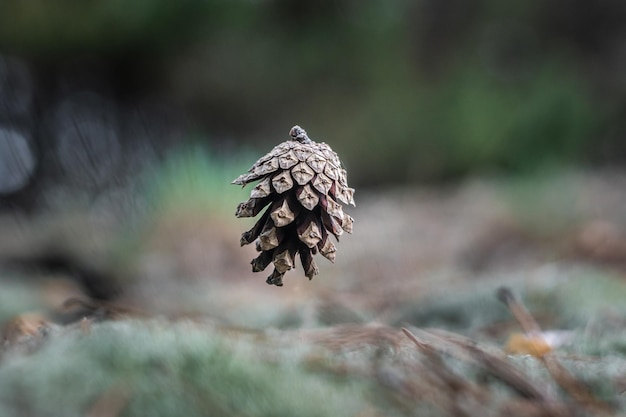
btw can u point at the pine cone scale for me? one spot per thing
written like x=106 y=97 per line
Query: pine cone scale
x=287 y=160
x=322 y=183
x=262 y=261
x=252 y=207
x=307 y=197
x=282 y=182
x=271 y=237
x=263 y=189
x=302 y=173
x=282 y=214
x=251 y=235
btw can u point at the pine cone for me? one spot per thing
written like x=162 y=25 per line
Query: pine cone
x=300 y=181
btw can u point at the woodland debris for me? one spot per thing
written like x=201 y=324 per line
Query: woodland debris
x=25 y=326
x=574 y=387
x=436 y=343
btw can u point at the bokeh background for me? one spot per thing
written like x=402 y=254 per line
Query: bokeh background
x=407 y=91
x=486 y=141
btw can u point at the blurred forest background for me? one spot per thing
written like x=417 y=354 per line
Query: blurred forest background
x=406 y=91
x=485 y=139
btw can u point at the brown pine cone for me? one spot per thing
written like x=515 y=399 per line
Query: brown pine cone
x=301 y=182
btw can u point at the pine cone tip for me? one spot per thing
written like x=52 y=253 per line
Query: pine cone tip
x=299 y=134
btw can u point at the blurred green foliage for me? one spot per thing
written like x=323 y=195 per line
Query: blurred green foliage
x=17 y=296
x=66 y=27
x=192 y=177
x=405 y=91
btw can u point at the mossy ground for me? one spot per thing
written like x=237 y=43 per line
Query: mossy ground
x=199 y=334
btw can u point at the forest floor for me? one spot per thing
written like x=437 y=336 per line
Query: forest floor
x=409 y=320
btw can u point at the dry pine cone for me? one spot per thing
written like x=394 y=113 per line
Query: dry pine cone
x=301 y=181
